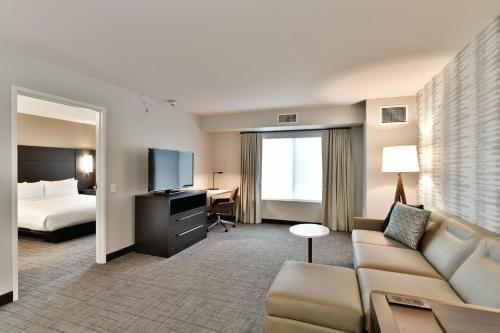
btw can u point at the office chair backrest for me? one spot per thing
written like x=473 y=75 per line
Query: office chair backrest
x=234 y=193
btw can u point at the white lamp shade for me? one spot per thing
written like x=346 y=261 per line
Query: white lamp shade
x=87 y=163
x=400 y=159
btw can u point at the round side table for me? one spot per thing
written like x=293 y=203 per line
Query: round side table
x=309 y=231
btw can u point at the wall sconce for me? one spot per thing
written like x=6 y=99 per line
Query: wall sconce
x=87 y=163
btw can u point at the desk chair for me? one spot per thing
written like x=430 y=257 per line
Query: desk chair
x=223 y=206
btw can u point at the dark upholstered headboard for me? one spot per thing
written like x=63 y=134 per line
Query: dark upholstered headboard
x=47 y=163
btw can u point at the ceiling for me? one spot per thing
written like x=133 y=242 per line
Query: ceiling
x=43 y=108
x=232 y=55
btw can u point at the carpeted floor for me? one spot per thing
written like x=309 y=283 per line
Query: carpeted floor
x=217 y=285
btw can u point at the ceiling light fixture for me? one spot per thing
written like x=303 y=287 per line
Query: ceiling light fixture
x=173 y=102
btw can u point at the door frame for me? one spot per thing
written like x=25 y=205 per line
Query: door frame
x=100 y=174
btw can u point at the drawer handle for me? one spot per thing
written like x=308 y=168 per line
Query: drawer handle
x=190 y=230
x=189 y=216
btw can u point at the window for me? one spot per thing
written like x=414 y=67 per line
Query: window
x=292 y=169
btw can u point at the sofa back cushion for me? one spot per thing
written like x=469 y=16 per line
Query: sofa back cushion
x=477 y=279
x=435 y=220
x=450 y=245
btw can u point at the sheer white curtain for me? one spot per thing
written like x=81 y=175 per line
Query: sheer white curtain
x=338 y=180
x=251 y=165
x=291 y=167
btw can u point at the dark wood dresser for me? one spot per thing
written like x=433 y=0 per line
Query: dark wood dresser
x=166 y=224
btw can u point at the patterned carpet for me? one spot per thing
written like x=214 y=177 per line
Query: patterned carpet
x=217 y=285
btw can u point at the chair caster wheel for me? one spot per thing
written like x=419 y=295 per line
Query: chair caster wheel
x=234 y=226
x=225 y=230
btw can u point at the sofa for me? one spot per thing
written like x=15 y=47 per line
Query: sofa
x=457 y=262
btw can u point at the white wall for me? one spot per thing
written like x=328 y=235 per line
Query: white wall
x=318 y=117
x=226 y=157
x=380 y=187
x=292 y=211
x=49 y=132
x=130 y=132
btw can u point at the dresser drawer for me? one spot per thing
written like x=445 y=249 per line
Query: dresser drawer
x=188 y=220
x=187 y=238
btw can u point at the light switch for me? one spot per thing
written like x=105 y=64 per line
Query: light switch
x=113 y=188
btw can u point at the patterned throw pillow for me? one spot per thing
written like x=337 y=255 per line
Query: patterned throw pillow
x=407 y=224
x=388 y=217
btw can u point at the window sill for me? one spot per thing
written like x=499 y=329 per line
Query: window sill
x=294 y=200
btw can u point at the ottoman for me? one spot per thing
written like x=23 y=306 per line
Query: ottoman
x=314 y=298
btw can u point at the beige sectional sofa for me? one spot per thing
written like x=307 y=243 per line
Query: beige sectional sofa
x=456 y=262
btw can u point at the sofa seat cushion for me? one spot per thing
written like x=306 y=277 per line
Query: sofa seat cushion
x=375 y=238
x=399 y=283
x=477 y=280
x=392 y=259
x=284 y=325
x=316 y=294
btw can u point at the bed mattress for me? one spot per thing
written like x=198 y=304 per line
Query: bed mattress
x=51 y=214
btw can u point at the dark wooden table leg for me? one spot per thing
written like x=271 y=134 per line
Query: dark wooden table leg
x=309 y=257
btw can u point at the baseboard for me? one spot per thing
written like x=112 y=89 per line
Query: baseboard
x=119 y=253
x=6 y=298
x=284 y=222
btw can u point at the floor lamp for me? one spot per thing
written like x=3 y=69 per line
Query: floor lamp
x=399 y=159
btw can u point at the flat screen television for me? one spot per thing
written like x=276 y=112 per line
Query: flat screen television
x=170 y=169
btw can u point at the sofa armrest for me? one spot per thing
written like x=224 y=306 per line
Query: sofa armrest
x=368 y=224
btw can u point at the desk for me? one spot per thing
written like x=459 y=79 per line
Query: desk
x=215 y=193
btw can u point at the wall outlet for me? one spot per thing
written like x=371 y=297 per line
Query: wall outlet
x=113 y=188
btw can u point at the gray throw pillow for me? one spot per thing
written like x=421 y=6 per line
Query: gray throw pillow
x=407 y=225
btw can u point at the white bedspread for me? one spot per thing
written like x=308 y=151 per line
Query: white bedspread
x=50 y=214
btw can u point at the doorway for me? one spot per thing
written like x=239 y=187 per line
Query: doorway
x=84 y=162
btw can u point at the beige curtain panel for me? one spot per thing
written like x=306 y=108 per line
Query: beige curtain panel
x=338 y=180
x=251 y=166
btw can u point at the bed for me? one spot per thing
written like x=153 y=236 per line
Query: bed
x=56 y=213
x=50 y=205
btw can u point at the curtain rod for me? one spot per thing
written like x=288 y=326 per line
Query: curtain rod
x=299 y=130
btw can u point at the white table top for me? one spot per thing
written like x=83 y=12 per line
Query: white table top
x=309 y=230
x=213 y=193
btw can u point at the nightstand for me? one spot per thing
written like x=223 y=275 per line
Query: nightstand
x=89 y=191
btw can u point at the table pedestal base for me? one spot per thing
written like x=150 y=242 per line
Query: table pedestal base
x=310 y=255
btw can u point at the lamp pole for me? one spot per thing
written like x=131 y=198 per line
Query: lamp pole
x=400 y=191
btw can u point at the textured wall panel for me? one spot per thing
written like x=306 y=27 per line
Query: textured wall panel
x=459 y=133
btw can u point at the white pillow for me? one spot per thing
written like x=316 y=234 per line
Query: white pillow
x=61 y=188
x=30 y=191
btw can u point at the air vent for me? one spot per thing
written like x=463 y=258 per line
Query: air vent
x=287 y=118
x=393 y=114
